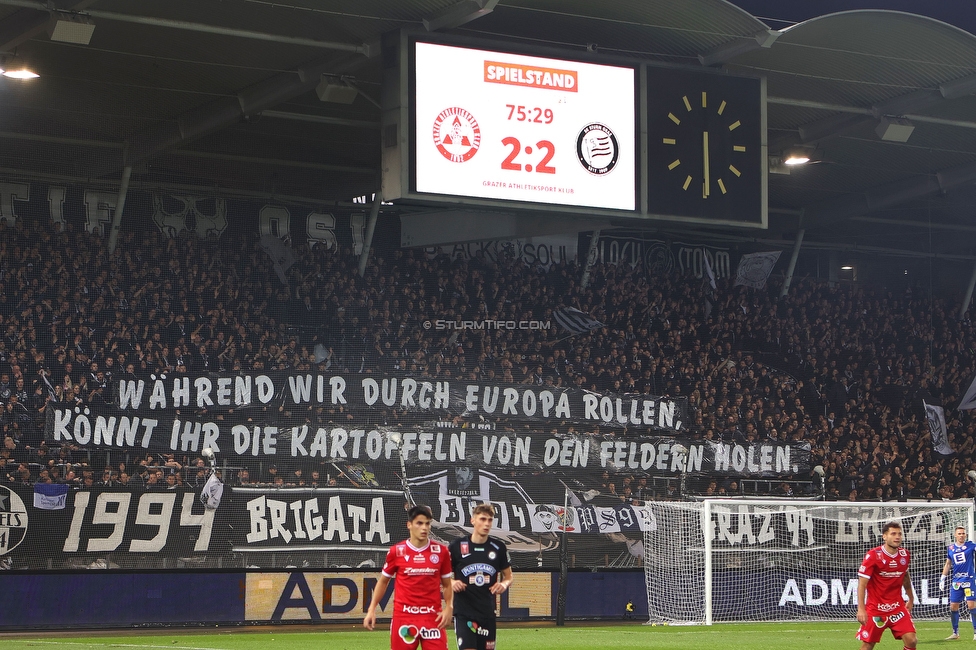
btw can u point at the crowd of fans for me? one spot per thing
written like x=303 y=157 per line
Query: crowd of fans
x=840 y=366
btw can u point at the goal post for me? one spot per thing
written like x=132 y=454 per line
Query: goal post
x=725 y=560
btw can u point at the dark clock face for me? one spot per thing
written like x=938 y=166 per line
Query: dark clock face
x=704 y=146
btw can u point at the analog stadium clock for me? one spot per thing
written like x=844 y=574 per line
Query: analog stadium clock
x=707 y=143
x=705 y=146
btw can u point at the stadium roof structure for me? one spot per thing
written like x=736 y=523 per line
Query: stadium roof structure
x=201 y=94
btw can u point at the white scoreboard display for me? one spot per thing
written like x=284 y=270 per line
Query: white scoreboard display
x=500 y=126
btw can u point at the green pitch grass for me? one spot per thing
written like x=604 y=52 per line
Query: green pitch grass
x=756 y=636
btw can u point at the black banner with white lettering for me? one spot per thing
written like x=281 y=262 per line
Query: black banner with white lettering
x=103 y=528
x=346 y=513
x=215 y=393
x=125 y=528
x=178 y=213
x=317 y=519
x=474 y=444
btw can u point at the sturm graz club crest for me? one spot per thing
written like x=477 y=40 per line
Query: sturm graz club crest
x=457 y=134
x=13 y=520
x=596 y=148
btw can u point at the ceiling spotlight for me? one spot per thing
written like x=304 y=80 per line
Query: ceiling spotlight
x=796 y=156
x=15 y=68
x=847 y=267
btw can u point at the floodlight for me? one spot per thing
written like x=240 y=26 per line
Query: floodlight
x=16 y=68
x=796 y=156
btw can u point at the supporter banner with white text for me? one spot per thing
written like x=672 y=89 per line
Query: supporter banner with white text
x=212 y=393
x=474 y=444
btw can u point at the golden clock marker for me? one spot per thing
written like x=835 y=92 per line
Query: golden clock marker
x=738 y=147
x=704 y=104
x=674 y=118
x=677 y=161
x=721 y=185
x=721 y=108
x=735 y=171
x=735 y=125
x=669 y=141
x=687 y=103
x=687 y=183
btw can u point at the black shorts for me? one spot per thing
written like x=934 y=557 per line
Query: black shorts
x=474 y=634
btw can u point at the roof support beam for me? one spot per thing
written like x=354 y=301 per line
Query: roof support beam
x=886 y=196
x=186 y=25
x=461 y=12
x=901 y=106
x=322 y=119
x=225 y=111
x=25 y=24
x=953 y=227
x=727 y=51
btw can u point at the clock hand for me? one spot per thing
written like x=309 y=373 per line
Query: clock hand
x=705 y=163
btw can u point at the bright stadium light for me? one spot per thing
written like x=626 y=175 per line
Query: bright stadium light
x=796 y=156
x=15 y=68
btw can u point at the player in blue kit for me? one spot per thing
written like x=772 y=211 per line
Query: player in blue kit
x=960 y=565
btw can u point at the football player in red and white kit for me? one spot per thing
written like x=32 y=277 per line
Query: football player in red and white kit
x=883 y=574
x=423 y=572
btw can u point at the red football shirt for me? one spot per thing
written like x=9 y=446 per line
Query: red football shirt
x=418 y=573
x=886 y=572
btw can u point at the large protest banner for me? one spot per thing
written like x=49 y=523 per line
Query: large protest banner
x=546 y=457
x=357 y=442
x=214 y=393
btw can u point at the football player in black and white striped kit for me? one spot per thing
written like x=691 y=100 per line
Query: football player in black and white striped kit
x=482 y=570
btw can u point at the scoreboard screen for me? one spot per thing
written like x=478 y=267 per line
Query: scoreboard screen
x=500 y=126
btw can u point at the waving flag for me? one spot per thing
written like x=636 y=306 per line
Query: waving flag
x=937 y=427
x=969 y=399
x=755 y=268
x=575 y=321
x=212 y=491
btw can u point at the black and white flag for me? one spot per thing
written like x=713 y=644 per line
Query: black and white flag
x=212 y=491
x=281 y=254
x=755 y=268
x=969 y=399
x=575 y=321
x=935 y=415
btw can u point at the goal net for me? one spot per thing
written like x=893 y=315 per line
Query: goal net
x=778 y=560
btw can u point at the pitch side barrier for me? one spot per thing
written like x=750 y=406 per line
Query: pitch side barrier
x=188 y=598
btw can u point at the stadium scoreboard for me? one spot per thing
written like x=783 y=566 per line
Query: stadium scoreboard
x=519 y=128
x=484 y=126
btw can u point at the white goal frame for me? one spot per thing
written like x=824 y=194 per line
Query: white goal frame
x=680 y=560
